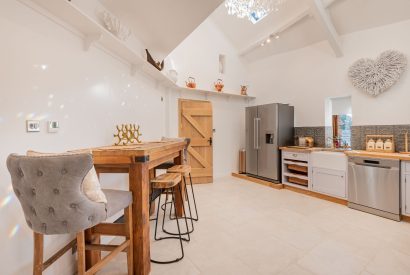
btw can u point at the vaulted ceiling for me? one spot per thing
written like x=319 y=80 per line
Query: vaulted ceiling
x=302 y=22
x=162 y=25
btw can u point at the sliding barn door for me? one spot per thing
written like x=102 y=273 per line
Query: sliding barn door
x=195 y=122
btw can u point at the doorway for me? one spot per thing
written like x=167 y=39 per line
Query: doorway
x=195 y=122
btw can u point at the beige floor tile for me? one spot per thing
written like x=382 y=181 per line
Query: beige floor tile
x=389 y=261
x=246 y=228
x=333 y=257
x=295 y=269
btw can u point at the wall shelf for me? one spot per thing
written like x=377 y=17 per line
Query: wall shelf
x=68 y=15
x=208 y=92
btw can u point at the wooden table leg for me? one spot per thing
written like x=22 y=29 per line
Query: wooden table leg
x=179 y=200
x=139 y=186
x=152 y=175
x=92 y=256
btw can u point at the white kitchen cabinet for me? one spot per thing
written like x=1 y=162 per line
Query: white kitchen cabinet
x=405 y=188
x=329 y=173
x=295 y=169
x=328 y=181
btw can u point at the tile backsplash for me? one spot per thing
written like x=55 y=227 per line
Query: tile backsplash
x=359 y=133
x=319 y=134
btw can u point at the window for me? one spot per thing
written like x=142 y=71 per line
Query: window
x=342 y=130
x=339 y=122
x=255 y=18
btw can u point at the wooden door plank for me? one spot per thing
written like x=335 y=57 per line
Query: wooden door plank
x=197 y=112
x=195 y=124
x=198 y=157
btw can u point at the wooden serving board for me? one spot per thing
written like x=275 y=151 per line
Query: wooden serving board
x=298 y=168
x=298 y=181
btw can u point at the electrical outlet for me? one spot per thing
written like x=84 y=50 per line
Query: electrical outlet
x=53 y=126
x=33 y=126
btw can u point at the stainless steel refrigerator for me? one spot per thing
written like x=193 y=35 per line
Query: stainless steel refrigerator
x=268 y=127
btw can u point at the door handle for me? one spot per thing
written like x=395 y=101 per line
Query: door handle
x=210 y=141
x=257 y=132
x=254 y=134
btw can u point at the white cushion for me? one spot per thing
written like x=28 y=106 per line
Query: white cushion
x=91 y=184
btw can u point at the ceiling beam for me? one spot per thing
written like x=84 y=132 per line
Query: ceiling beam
x=286 y=25
x=325 y=22
x=289 y=23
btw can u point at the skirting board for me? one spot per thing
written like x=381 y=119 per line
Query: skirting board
x=258 y=181
x=301 y=191
x=316 y=195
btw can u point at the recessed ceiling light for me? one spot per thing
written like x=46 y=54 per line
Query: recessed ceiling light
x=268 y=40
x=262 y=44
x=277 y=36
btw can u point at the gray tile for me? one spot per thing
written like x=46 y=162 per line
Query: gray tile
x=357 y=138
x=384 y=129
x=399 y=131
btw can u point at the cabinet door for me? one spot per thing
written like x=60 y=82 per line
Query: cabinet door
x=406 y=195
x=330 y=182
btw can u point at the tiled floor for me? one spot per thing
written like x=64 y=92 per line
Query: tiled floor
x=246 y=228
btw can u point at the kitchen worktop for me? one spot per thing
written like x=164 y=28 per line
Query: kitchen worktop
x=353 y=153
x=299 y=149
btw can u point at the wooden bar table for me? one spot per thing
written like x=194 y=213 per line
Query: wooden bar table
x=137 y=160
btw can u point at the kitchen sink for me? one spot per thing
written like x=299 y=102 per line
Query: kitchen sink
x=329 y=159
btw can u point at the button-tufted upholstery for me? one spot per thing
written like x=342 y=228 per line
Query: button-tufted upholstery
x=49 y=190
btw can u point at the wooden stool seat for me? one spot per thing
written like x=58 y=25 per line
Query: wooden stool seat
x=166 y=181
x=183 y=169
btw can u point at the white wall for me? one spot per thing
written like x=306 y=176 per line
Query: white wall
x=198 y=56
x=341 y=105
x=306 y=77
x=88 y=92
x=46 y=75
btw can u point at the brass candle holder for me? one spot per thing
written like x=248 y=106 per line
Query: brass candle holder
x=127 y=134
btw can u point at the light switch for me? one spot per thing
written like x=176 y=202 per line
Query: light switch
x=33 y=126
x=53 y=126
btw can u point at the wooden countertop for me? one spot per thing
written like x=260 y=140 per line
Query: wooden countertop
x=353 y=153
x=311 y=149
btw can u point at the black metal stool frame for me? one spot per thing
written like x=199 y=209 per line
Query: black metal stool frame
x=193 y=197
x=170 y=237
x=187 y=218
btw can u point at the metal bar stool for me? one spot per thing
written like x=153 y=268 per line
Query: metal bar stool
x=165 y=184
x=185 y=170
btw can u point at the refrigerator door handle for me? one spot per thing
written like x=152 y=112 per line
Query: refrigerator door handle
x=254 y=134
x=258 y=120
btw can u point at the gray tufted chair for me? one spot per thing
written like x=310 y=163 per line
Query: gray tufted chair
x=50 y=192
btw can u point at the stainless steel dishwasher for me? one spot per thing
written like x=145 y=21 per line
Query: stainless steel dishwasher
x=374 y=186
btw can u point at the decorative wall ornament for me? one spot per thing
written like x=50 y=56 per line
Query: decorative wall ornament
x=127 y=134
x=114 y=25
x=377 y=76
x=156 y=64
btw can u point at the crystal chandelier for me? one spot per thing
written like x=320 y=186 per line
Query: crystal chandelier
x=252 y=9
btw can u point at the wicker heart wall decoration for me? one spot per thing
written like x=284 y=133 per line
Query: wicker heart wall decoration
x=377 y=76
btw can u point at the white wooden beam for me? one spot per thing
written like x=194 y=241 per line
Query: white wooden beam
x=328 y=3
x=90 y=39
x=286 y=25
x=325 y=22
x=289 y=23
